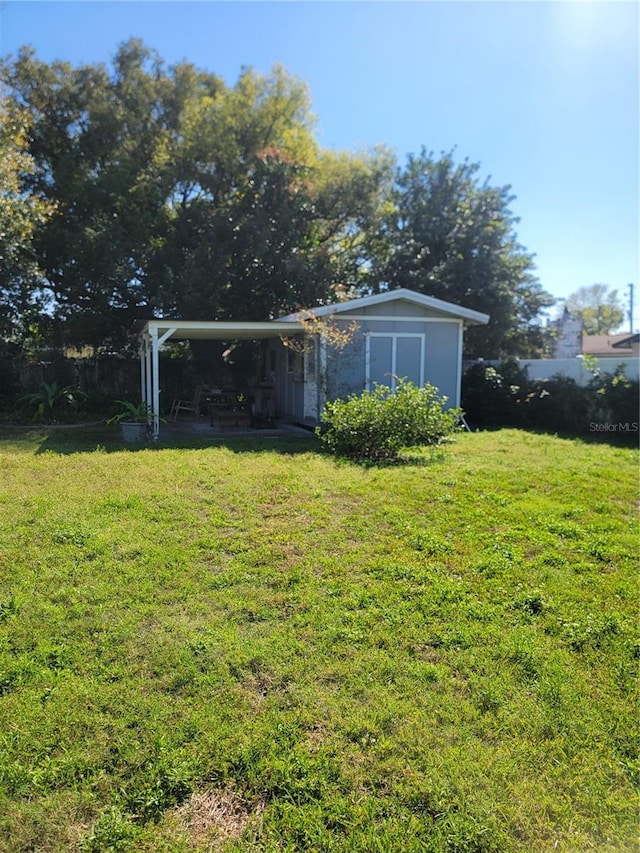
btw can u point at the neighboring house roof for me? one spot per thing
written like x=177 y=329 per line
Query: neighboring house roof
x=401 y=294
x=614 y=345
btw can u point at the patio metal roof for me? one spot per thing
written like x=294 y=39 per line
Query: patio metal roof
x=224 y=330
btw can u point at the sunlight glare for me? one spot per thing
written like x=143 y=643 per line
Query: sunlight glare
x=583 y=25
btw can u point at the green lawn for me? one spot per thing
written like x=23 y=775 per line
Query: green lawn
x=253 y=647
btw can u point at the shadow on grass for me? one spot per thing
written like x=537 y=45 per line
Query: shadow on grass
x=101 y=439
x=408 y=459
x=104 y=440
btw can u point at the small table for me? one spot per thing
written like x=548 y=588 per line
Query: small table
x=230 y=417
x=227 y=410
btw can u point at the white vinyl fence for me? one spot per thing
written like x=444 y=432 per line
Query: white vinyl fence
x=574 y=368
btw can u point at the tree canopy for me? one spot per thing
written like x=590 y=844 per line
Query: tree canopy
x=151 y=190
x=21 y=212
x=600 y=308
x=449 y=236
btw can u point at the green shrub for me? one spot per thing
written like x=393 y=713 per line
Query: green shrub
x=558 y=403
x=492 y=396
x=505 y=396
x=53 y=403
x=379 y=424
x=616 y=397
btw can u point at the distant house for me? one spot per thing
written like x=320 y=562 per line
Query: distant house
x=571 y=341
x=568 y=342
x=625 y=345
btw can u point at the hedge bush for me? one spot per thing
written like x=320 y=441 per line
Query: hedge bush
x=491 y=396
x=505 y=396
x=380 y=423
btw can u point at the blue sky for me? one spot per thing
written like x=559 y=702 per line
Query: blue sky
x=544 y=95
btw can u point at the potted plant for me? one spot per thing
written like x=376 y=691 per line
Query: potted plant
x=134 y=419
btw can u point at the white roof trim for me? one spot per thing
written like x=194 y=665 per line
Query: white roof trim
x=401 y=293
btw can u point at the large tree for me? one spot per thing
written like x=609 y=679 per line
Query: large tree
x=452 y=237
x=21 y=213
x=102 y=144
x=263 y=220
x=600 y=308
x=178 y=194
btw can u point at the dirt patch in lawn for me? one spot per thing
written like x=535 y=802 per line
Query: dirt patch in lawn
x=215 y=816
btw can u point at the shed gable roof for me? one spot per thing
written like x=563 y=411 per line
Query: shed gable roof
x=401 y=294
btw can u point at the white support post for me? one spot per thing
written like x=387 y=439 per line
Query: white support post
x=155 y=385
x=323 y=374
x=145 y=371
x=456 y=405
x=147 y=350
x=156 y=343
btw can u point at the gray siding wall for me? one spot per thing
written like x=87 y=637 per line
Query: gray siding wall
x=442 y=359
x=347 y=369
x=399 y=308
x=345 y=372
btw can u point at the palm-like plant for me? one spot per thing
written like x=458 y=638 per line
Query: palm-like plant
x=132 y=413
x=52 y=398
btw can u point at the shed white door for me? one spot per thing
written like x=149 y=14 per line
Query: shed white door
x=391 y=356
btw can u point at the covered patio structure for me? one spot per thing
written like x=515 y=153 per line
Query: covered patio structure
x=349 y=347
x=156 y=333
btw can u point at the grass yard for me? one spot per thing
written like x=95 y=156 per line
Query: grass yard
x=253 y=647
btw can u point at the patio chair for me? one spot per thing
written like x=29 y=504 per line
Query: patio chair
x=187 y=405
